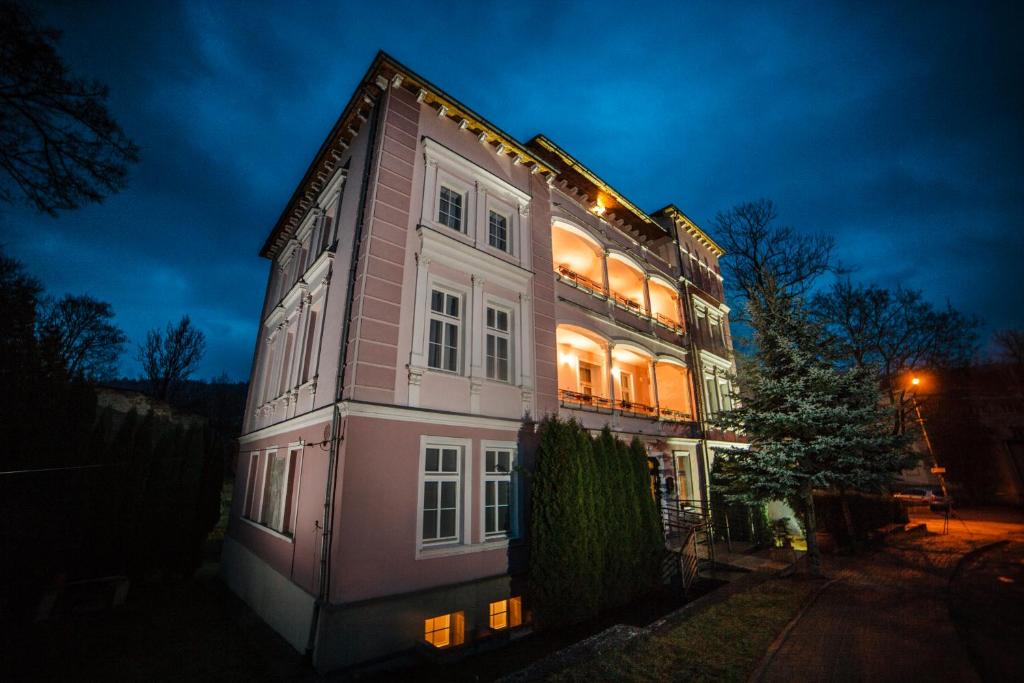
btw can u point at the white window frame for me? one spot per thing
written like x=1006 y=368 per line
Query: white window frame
x=510 y=214
x=252 y=491
x=463 y=516
x=464 y=200
x=286 y=492
x=506 y=334
x=446 y=319
x=514 y=487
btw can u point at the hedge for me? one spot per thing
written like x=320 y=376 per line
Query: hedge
x=595 y=532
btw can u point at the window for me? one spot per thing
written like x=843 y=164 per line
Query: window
x=725 y=394
x=277 y=485
x=286 y=363
x=497 y=233
x=445 y=630
x=249 y=509
x=497 y=344
x=711 y=385
x=311 y=345
x=587 y=374
x=441 y=484
x=506 y=613
x=498 y=508
x=626 y=386
x=445 y=331
x=449 y=208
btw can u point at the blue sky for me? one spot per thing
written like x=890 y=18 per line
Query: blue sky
x=897 y=127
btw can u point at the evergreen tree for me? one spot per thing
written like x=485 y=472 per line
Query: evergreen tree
x=810 y=425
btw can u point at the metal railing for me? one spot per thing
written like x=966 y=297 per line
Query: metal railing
x=671 y=324
x=581 y=281
x=631 y=305
x=671 y=415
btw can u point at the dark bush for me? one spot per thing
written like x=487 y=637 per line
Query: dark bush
x=868 y=513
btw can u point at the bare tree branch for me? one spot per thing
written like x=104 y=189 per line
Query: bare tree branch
x=82 y=333
x=59 y=146
x=170 y=357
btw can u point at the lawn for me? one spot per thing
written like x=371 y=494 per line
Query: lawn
x=724 y=642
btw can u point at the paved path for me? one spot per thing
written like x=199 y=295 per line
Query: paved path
x=887 y=616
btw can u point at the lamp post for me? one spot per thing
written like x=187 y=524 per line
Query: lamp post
x=916 y=381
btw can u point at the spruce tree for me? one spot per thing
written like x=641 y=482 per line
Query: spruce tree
x=810 y=424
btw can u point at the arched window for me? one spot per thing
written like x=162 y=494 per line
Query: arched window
x=626 y=283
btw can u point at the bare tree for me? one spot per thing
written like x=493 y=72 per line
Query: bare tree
x=770 y=266
x=59 y=146
x=897 y=331
x=82 y=334
x=1011 y=345
x=170 y=357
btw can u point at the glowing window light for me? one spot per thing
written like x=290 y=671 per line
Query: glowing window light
x=445 y=630
x=506 y=613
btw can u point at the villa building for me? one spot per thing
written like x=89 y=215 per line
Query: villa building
x=433 y=282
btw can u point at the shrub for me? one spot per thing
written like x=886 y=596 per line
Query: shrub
x=595 y=532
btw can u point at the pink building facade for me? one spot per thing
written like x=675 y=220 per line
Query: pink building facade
x=433 y=282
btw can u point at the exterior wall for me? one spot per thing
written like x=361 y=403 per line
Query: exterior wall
x=378 y=511
x=279 y=602
x=349 y=634
x=295 y=558
x=373 y=347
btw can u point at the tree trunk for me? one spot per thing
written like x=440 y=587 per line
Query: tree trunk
x=811 y=531
x=851 y=532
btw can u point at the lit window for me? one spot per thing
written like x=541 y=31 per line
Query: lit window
x=498 y=508
x=445 y=630
x=497 y=235
x=626 y=386
x=449 y=208
x=445 y=331
x=497 y=344
x=441 y=483
x=587 y=374
x=506 y=613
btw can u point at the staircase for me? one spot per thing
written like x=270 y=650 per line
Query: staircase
x=683 y=523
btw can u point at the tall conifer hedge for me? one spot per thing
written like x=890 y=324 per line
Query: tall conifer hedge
x=595 y=533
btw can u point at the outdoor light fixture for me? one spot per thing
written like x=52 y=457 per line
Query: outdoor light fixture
x=915 y=381
x=616 y=372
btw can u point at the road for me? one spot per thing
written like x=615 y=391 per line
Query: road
x=887 y=616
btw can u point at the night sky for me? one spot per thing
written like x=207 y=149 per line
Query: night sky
x=899 y=128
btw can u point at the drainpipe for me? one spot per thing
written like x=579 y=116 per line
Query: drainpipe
x=337 y=426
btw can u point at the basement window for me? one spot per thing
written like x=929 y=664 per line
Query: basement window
x=446 y=630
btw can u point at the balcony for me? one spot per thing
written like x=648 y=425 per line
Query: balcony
x=597 y=375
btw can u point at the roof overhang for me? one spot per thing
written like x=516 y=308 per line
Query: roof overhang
x=684 y=222
x=386 y=72
x=608 y=202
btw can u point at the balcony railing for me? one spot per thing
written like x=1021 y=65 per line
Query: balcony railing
x=675 y=415
x=580 y=281
x=575 y=399
x=631 y=305
x=585 y=401
x=668 y=322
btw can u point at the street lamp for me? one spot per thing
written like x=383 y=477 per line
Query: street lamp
x=916 y=381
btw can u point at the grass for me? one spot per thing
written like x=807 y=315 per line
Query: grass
x=724 y=642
